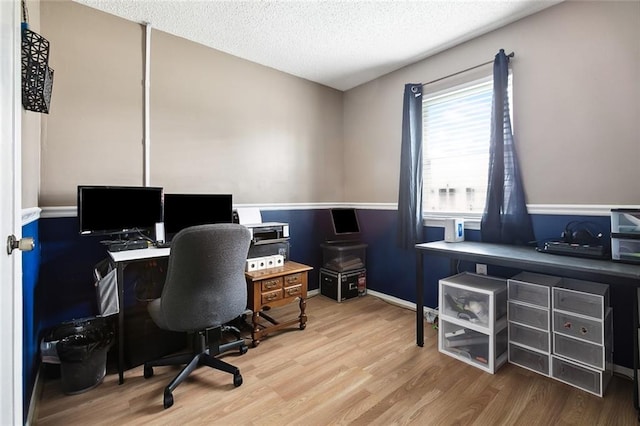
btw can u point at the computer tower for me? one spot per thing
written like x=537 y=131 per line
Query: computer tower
x=341 y=286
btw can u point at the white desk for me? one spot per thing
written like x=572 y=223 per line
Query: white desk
x=121 y=259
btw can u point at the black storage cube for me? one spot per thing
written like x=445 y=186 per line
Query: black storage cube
x=341 y=286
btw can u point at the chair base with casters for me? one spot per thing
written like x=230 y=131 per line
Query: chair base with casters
x=202 y=354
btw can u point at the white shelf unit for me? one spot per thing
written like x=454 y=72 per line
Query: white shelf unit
x=582 y=335
x=529 y=315
x=473 y=320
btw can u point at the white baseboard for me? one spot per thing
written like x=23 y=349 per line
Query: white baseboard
x=35 y=399
x=623 y=371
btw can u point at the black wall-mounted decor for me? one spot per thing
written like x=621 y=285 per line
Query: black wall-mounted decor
x=37 y=77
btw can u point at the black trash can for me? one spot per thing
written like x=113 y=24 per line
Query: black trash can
x=81 y=347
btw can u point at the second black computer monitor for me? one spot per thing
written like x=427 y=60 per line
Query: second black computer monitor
x=185 y=210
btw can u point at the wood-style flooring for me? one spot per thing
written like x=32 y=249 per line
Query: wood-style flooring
x=356 y=363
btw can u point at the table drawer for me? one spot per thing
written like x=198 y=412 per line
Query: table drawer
x=528 y=315
x=271 y=284
x=293 y=279
x=293 y=291
x=271 y=296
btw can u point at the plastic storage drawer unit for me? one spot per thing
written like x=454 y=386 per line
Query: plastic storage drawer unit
x=625 y=235
x=531 y=288
x=593 y=381
x=581 y=327
x=528 y=315
x=582 y=298
x=529 y=359
x=528 y=336
x=473 y=320
x=625 y=221
x=625 y=249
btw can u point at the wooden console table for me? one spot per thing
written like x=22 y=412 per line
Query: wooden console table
x=274 y=287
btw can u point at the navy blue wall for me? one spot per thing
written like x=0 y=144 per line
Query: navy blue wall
x=30 y=318
x=65 y=289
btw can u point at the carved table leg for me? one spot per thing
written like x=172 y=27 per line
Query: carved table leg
x=303 y=316
x=255 y=332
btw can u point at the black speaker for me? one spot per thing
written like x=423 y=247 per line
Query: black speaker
x=579 y=233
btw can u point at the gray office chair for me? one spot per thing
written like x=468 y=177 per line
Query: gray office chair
x=205 y=289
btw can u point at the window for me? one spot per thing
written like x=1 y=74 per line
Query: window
x=456 y=133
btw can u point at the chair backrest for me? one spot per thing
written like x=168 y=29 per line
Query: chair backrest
x=205 y=285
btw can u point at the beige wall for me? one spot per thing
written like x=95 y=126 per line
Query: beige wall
x=218 y=123
x=93 y=134
x=576 y=106
x=222 y=124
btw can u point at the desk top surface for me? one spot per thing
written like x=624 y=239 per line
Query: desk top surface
x=527 y=258
x=139 y=254
x=289 y=267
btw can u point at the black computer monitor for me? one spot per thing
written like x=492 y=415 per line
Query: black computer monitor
x=185 y=210
x=104 y=210
x=345 y=221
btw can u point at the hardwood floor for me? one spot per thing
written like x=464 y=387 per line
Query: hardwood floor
x=356 y=363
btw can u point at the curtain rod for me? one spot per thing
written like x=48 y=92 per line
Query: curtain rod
x=510 y=55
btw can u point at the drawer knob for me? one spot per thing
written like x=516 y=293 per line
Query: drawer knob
x=567 y=324
x=584 y=330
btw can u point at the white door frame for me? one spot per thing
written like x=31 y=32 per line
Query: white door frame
x=11 y=367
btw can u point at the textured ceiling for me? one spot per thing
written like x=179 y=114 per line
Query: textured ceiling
x=340 y=44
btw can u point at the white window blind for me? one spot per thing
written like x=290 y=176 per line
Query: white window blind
x=456 y=133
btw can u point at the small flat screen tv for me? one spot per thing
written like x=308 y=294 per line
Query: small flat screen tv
x=185 y=210
x=109 y=210
x=345 y=221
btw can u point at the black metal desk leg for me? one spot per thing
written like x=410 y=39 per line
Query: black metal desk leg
x=419 y=300
x=120 y=331
x=636 y=330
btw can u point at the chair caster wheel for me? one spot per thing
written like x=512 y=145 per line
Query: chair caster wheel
x=243 y=349
x=237 y=380
x=148 y=372
x=168 y=399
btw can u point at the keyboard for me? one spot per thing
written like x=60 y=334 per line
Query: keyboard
x=116 y=246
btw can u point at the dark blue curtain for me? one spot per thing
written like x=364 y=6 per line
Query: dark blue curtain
x=410 y=188
x=505 y=219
